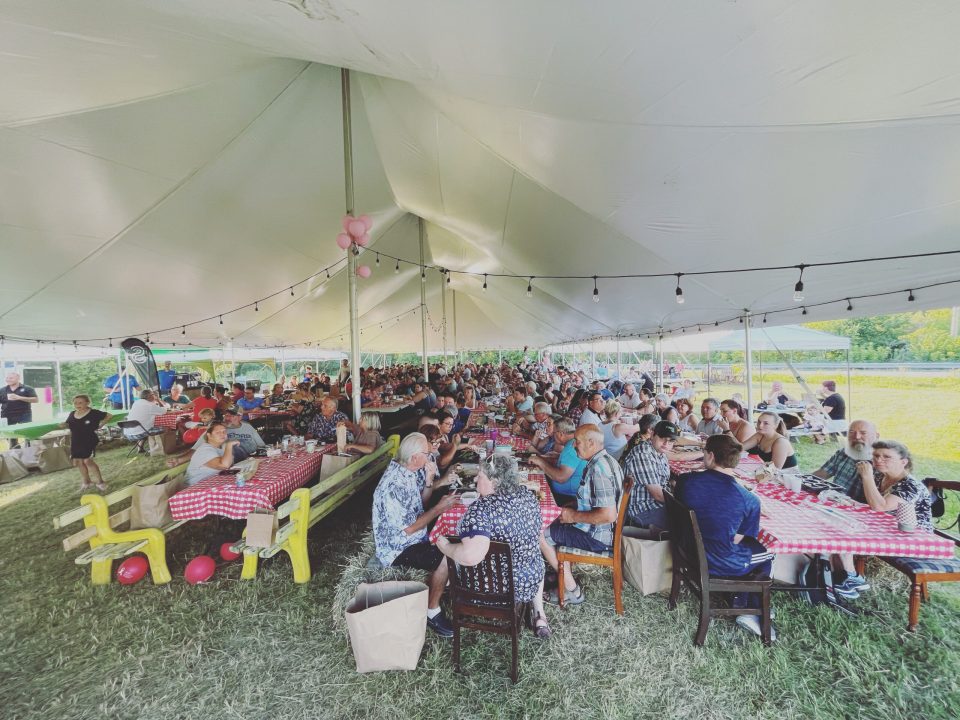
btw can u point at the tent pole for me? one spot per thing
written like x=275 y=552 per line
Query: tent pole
x=423 y=303
x=453 y=295
x=749 y=362
x=660 y=361
x=849 y=389
x=619 y=372
x=352 y=251
x=760 y=368
x=283 y=364
x=60 y=386
x=123 y=394
x=233 y=364
x=593 y=360
x=443 y=312
x=708 y=372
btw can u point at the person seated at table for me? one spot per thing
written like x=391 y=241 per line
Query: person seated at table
x=369 y=438
x=505 y=512
x=83 y=423
x=249 y=402
x=645 y=425
x=324 y=424
x=771 y=442
x=400 y=521
x=237 y=391
x=518 y=401
x=733 y=422
x=729 y=519
x=303 y=393
x=244 y=433
x=451 y=440
x=202 y=402
x=176 y=399
x=590 y=526
x=145 y=411
x=564 y=469
x=834 y=406
x=630 y=398
x=276 y=396
x=533 y=423
x=593 y=414
x=578 y=404
x=224 y=400
x=435 y=438
x=649 y=466
x=686 y=392
x=601 y=387
x=710 y=423
x=841 y=467
x=470 y=401
x=815 y=420
x=662 y=401
x=615 y=433
x=195 y=430
x=687 y=420
x=214 y=454
x=777 y=396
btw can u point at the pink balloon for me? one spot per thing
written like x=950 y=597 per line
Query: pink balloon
x=363 y=240
x=364 y=271
x=367 y=221
x=343 y=241
x=347 y=219
x=357 y=228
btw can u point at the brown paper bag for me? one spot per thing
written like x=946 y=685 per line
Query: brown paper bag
x=150 y=504
x=11 y=468
x=262 y=527
x=333 y=463
x=388 y=625
x=53 y=458
x=647 y=564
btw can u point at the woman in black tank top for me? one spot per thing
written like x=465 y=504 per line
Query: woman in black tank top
x=771 y=442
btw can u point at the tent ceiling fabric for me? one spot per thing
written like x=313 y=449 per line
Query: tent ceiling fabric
x=164 y=162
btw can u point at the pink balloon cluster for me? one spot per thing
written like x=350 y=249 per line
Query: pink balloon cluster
x=356 y=230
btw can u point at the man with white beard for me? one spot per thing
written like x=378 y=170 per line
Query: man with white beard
x=842 y=467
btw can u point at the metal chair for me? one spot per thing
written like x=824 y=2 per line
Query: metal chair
x=483 y=598
x=690 y=567
x=139 y=440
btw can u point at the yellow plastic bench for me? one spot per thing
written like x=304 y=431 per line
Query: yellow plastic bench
x=107 y=543
x=307 y=506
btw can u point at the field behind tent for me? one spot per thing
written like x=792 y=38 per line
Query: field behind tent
x=271 y=648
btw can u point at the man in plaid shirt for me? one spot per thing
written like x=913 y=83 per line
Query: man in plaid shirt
x=590 y=526
x=647 y=464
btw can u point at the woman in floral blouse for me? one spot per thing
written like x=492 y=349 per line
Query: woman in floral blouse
x=505 y=512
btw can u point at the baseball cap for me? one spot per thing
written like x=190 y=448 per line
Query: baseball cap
x=667 y=430
x=232 y=411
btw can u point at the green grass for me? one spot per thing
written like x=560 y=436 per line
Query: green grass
x=271 y=648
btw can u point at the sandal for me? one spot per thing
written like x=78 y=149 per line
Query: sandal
x=543 y=630
x=85 y=487
x=102 y=487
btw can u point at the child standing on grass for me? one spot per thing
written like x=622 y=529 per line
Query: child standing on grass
x=83 y=423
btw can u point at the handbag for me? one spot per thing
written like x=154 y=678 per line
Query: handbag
x=387 y=622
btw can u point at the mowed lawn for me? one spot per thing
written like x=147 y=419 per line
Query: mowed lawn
x=270 y=648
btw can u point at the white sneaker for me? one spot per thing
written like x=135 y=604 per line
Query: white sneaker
x=752 y=623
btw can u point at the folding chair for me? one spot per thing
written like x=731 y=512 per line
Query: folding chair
x=139 y=440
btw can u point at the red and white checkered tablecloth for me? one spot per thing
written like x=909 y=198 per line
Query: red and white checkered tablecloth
x=447 y=522
x=273 y=482
x=254 y=414
x=799 y=522
x=169 y=421
x=520 y=444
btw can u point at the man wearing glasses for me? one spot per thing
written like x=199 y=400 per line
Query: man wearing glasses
x=647 y=464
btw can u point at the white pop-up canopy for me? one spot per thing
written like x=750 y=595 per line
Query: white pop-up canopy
x=166 y=162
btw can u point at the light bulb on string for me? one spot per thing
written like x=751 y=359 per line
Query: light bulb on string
x=291 y=291
x=396 y=269
x=256 y=306
x=798 y=288
x=596 y=291
x=378 y=260
x=530 y=287
x=764 y=318
x=910 y=297
x=423 y=274
x=849 y=305
x=679 y=291
x=148 y=338
x=484 y=282
x=328 y=273
x=804 y=310
x=183 y=330
x=221 y=319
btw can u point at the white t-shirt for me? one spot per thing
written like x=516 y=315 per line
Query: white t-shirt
x=588 y=417
x=144 y=412
x=630 y=402
x=198 y=470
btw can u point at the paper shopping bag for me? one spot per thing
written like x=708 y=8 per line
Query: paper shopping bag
x=647 y=564
x=11 y=468
x=53 y=458
x=150 y=504
x=262 y=527
x=388 y=624
x=333 y=463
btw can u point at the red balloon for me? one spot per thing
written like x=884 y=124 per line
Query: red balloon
x=227 y=554
x=132 y=570
x=200 y=569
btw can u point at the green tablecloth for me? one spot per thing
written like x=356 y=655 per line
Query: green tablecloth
x=39 y=428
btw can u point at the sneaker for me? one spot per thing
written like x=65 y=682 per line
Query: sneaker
x=847 y=591
x=440 y=625
x=856 y=582
x=752 y=623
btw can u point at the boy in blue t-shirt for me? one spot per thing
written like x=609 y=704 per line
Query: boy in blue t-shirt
x=729 y=519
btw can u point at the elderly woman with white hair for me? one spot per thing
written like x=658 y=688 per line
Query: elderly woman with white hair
x=400 y=521
x=369 y=438
x=615 y=433
x=505 y=512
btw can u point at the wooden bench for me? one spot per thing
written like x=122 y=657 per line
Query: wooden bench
x=307 y=506
x=107 y=543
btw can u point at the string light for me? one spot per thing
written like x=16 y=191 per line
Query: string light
x=484 y=282
x=148 y=338
x=221 y=319
x=679 y=290
x=596 y=291
x=111 y=342
x=328 y=273
x=378 y=260
x=423 y=273
x=910 y=297
x=849 y=305
x=804 y=310
x=256 y=306
x=396 y=270
x=798 y=288
x=448 y=277
x=291 y=291
x=764 y=318
x=183 y=330
x=530 y=287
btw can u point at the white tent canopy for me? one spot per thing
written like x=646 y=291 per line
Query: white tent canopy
x=787 y=337
x=164 y=162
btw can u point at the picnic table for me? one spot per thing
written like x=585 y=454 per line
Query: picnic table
x=387 y=407
x=38 y=428
x=448 y=521
x=273 y=482
x=800 y=522
x=170 y=420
